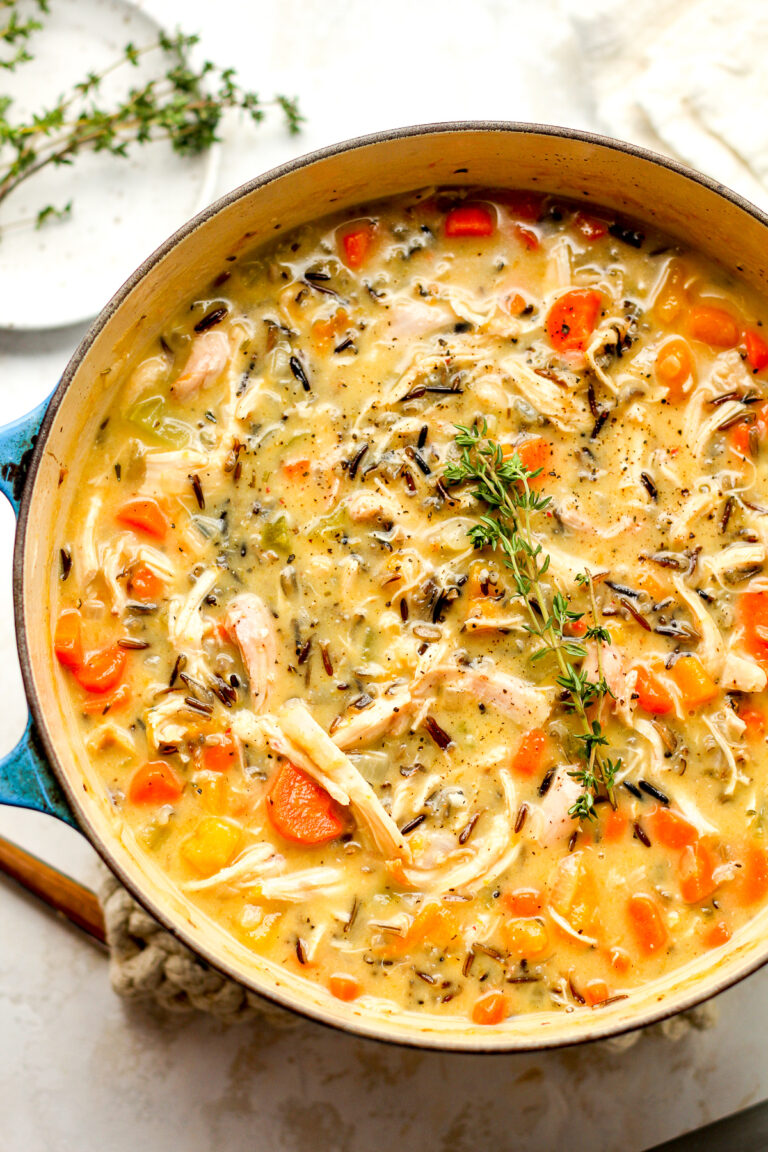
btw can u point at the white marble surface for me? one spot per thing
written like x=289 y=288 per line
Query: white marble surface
x=81 y=1071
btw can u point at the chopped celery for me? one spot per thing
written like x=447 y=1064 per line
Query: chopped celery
x=276 y=535
x=150 y=416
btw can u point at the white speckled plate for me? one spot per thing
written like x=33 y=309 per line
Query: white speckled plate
x=122 y=209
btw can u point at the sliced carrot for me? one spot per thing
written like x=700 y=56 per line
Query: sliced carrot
x=753 y=878
x=515 y=304
x=573 y=891
x=490 y=1009
x=524 y=901
x=113 y=702
x=301 y=810
x=714 y=326
x=144 y=584
x=572 y=318
x=146 y=515
x=595 y=992
x=695 y=685
x=522 y=204
x=620 y=960
x=591 y=227
x=220 y=757
x=527 y=237
x=674 y=367
x=756 y=349
x=652 y=586
x=470 y=220
x=615 y=823
x=68 y=638
x=670 y=828
x=356 y=244
x=328 y=331
x=525 y=938
x=101 y=671
x=755 y=721
x=672 y=297
x=535 y=455
x=297 y=469
x=753 y=617
x=155 y=783
x=531 y=754
x=576 y=628
x=717 y=934
x=344 y=987
x=652 y=693
x=695 y=868
x=647 y=924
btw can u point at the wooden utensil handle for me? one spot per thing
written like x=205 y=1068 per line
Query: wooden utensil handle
x=70 y=899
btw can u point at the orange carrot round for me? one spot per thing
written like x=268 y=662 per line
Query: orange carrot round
x=220 y=757
x=344 y=987
x=531 y=752
x=490 y=1009
x=144 y=584
x=695 y=869
x=713 y=325
x=524 y=901
x=669 y=828
x=469 y=220
x=674 y=367
x=301 y=810
x=652 y=694
x=68 y=639
x=647 y=925
x=571 y=319
x=756 y=349
x=146 y=515
x=155 y=783
x=753 y=879
x=101 y=671
x=356 y=244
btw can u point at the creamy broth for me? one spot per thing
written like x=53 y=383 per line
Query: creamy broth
x=309 y=686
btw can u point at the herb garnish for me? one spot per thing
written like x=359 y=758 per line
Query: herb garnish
x=183 y=105
x=502 y=483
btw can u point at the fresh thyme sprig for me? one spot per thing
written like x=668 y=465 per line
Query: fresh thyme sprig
x=503 y=483
x=15 y=33
x=184 y=105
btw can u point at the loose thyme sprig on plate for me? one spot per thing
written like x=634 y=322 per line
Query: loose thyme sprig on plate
x=502 y=483
x=184 y=105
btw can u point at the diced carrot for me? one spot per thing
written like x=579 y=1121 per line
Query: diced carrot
x=652 y=585
x=716 y=934
x=620 y=960
x=113 y=702
x=155 y=783
x=515 y=304
x=531 y=753
x=615 y=823
x=522 y=204
x=356 y=244
x=144 y=584
x=755 y=721
x=694 y=683
x=573 y=891
x=490 y=1009
x=297 y=469
x=146 y=515
x=714 y=326
x=469 y=220
x=652 y=693
x=328 y=331
x=101 y=671
x=756 y=349
x=301 y=810
x=670 y=828
x=674 y=367
x=68 y=639
x=595 y=992
x=572 y=319
x=524 y=901
x=525 y=938
x=527 y=237
x=344 y=987
x=220 y=757
x=647 y=924
x=753 y=618
x=672 y=296
x=434 y=926
x=591 y=227
x=212 y=846
x=753 y=877
x=695 y=868
x=535 y=454
x=576 y=628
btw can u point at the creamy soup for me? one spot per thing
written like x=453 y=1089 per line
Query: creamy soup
x=413 y=606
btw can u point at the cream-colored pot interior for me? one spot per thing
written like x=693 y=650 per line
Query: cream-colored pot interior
x=581 y=166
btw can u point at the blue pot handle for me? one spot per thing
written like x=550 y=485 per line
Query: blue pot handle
x=26 y=780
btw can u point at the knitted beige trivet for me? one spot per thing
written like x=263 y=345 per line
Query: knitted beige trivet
x=147 y=963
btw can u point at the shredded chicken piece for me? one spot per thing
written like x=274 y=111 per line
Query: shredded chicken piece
x=740 y=674
x=205 y=364
x=89 y=561
x=552 y=819
x=303 y=730
x=567 y=410
x=185 y=625
x=110 y=735
x=707 y=428
x=724 y=734
x=251 y=624
x=293 y=887
x=734 y=558
x=611 y=331
x=620 y=677
x=367 y=506
x=711 y=649
x=521 y=701
x=169 y=721
x=256 y=861
x=569 y=515
x=374 y=721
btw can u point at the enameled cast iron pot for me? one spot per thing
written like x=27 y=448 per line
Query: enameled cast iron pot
x=41 y=457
